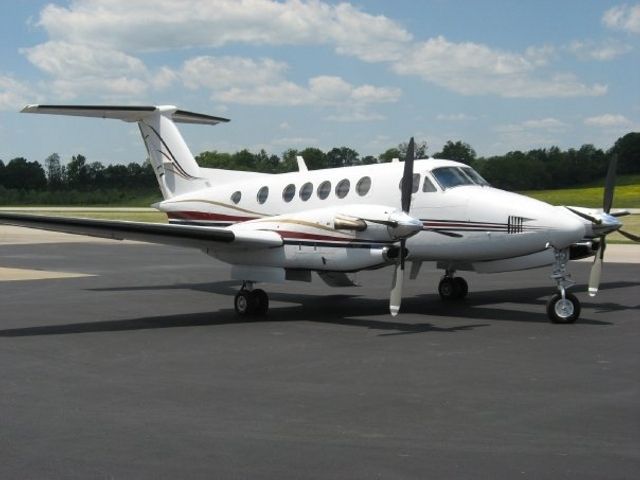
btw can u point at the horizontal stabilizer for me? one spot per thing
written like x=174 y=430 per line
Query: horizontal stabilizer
x=126 y=113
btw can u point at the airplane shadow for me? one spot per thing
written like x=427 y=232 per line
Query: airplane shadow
x=342 y=309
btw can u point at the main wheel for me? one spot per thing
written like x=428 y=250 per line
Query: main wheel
x=463 y=286
x=565 y=310
x=261 y=302
x=448 y=289
x=244 y=303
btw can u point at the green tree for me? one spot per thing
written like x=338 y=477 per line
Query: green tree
x=54 y=171
x=77 y=173
x=420 y=149
x=22 y=174
x=314 y=158
x=389 y=155
x=458 y=151
x=342 y=157
x=628 y=150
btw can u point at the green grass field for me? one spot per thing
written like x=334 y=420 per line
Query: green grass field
x=627 y=195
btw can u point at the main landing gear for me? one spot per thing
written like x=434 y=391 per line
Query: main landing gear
x=563 y=307
x=451 y=287
x=250 y=301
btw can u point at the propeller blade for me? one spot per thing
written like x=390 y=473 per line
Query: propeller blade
x=596 y=268
x=395 y=298
x=594 y=276
x=610 y=184
x=592 y=219
x=630 y=236
x=445 y=233
x=407 y=177
x=620 y=213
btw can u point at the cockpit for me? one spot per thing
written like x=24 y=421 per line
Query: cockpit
x=449 y=177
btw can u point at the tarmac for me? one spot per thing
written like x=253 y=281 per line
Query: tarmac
x=132 y=364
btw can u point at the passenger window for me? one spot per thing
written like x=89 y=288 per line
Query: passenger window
x=288 y=192
x=363 y=186
x=342 y=188
x=428 y=186
x=235 y=198
x=324 y=189
x=305 y=191
x=263 y=193
x=416 y=183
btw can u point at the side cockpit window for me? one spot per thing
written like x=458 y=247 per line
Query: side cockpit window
x=428 y=186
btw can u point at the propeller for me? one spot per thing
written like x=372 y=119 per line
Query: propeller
x=395 y=298
x=604 y=225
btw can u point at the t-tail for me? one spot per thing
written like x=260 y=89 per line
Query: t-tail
x=176 y=170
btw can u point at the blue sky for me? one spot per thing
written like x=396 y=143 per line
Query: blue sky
x=500 y=75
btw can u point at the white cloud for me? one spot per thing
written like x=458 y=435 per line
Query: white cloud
x=225 y=72
x=14 y=94
x=475 y=69
x=608 y=120
x=79 y=69
x=603 y=51
x=454 y=117
x=623 y=17
x=548 y=124
x=288 y=141
x=146 y=25
x=262 y=82
x=108 y=32
x=355 y=117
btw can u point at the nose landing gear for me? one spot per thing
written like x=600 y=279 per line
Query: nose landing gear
x=563 y=307
x=250 y=301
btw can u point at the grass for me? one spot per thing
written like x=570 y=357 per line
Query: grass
x=626 y=196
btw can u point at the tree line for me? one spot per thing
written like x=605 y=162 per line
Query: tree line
x=24 y=181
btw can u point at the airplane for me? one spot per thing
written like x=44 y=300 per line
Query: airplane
x=336 y=221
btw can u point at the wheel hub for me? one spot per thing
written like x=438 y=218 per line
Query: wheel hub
x=564 y=308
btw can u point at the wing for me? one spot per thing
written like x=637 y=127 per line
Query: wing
x=165 y=234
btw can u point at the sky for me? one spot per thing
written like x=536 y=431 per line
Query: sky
x=368 y=74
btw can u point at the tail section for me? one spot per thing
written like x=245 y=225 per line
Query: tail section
x=176 y=170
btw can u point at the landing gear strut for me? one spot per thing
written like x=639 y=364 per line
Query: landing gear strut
x=563 y=307
x=250 y=301
x=452 y=288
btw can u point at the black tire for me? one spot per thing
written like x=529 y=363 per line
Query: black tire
x=244 y=303
x=448 y=289
x=261 y=302
x=566 y=311
x=463 y=287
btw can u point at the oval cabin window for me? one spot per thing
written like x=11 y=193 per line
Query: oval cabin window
x=263 y=193
x=342 y=188
x=305 y=191
x=235 y=198
x=363 y=186
x=324 y=189
x=288 y=192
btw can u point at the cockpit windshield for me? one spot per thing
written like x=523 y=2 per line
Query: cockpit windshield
x=449 y=177
x=475 y=176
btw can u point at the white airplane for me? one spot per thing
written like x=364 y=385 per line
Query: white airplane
x=278 y=227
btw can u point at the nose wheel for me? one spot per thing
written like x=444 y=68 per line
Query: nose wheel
x=563 y=310
x=251 y=302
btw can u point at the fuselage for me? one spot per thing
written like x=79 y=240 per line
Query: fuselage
x=463 y=217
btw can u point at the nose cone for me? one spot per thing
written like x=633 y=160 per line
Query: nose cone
x=564 y=228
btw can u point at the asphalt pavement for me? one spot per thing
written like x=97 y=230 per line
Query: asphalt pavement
x=137 y=367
